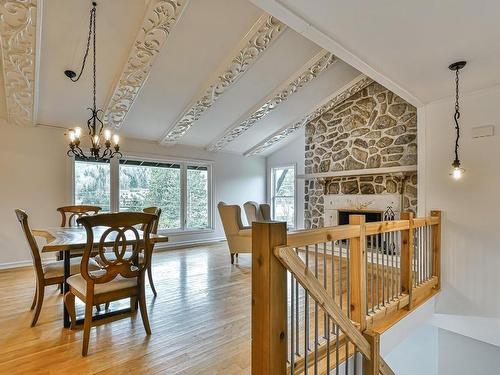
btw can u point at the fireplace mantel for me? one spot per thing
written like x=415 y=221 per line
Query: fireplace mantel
x=360 y=172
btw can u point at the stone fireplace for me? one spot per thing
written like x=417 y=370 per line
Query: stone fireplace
x=361 y=157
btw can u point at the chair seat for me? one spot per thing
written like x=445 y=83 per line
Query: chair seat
x=56 y=268
x=119 y=282
x=111 y=256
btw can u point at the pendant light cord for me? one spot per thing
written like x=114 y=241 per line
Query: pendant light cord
x=92 y=32
x=457 y=116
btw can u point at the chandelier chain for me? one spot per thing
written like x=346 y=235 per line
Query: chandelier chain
x=91 y=20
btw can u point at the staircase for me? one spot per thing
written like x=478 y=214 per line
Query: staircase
x=322 y=297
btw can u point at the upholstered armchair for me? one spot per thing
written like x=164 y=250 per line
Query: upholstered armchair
x=239 y=237
x=257 y=212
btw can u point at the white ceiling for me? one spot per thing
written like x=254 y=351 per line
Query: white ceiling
x=410 y=43
x=203 y=39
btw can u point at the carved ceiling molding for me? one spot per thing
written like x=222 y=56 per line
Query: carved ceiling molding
x=161 y=17
x=312 y=69
x=265 y=31
x=344 y=93
x=18 y=40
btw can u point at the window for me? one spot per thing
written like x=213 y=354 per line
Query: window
x=283 y=194
x=92 y=184
x=145 y=184
x=197 y=197
x=182 y=189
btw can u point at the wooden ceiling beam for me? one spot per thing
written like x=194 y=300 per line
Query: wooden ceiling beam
x=338 y=97
x=262 y=34
x=19 y=34
x=160 y=19
x=301 y=78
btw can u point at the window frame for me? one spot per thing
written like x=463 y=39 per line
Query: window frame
x=184 y=163
x=271 y=189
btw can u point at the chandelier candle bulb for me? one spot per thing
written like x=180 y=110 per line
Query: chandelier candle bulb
x=116 y=139
x=107 y=134
x=77 y=132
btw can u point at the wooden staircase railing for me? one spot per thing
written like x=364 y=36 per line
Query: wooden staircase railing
x=321 y=298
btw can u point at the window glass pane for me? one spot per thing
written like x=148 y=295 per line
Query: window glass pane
x=197 y=197
x=92 y=184
x=283 y=194
x=145 y=184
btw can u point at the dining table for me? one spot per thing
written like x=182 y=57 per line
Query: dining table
x=72 y=239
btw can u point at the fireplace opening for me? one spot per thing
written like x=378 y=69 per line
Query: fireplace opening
x=370 y=216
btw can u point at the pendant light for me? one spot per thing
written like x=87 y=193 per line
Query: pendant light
x=457 y=171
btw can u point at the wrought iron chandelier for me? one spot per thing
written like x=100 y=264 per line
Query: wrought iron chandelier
x=96 y=128
x=457 y=171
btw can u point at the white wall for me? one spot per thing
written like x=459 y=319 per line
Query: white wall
x=291 y=153
x=35 y=175
x=471 y=206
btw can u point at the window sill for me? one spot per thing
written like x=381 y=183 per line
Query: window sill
x=185 y=232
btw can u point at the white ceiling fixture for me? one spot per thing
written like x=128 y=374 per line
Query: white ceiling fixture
x=18 y=35
x=312 y=69
x=161 y=16
x=257 y=40
x=338 y=97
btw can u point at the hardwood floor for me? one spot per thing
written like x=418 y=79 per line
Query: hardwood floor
x=200 y=323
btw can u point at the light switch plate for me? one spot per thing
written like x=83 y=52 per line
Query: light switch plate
x=483 y=131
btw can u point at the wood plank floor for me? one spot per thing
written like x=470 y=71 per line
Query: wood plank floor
x=200 y=323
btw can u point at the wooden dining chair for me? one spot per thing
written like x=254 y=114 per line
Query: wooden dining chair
x=157 y=212
x=50 y=273
x=70 y=214
x=122 y=275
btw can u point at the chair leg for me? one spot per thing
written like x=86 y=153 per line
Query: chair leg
x=106 y=305
x=87 y=324
x=134 y=302
x=232 y=258
x=150 y=278
x=33 y=304
x=39 y=302
x=144 y=311
x=69 y=302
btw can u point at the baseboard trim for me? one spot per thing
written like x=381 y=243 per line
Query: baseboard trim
x=11 y=265
x=160 y=247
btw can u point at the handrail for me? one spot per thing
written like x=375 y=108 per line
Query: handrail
x=380 y=270
x=295 y=265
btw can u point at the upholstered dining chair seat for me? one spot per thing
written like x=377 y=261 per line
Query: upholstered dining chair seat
x=56 y=268
x=118 y=283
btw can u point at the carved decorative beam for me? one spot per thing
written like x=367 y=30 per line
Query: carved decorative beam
x=344 y=93
x=312 y=69
x=18 y=40
x=258 y=39
x=161 y=17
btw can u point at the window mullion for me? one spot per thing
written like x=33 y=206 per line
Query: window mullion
x=183 y=196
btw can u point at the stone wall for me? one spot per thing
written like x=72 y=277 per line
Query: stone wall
x=374 y=128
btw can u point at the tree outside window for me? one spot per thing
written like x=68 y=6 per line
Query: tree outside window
x=283 y=194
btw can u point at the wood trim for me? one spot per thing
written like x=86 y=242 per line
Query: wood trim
x=386 y=226
x=269 y=300
x=314 y=236
x=436 y=247
x=406 y=263
x=372 y=366
x=385 y=369
x=301 y=272
x=358 y=272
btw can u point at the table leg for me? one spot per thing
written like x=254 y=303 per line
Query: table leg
x=67 y=258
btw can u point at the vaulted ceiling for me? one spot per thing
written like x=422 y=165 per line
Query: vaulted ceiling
x=218 y=74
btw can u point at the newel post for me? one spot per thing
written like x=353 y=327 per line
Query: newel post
x=407 y=249
x=372 y=366
x=436 y=248
x=358 y=272
x=269 y=300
